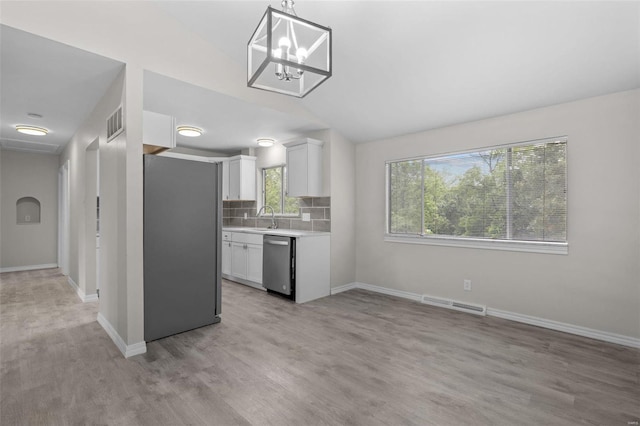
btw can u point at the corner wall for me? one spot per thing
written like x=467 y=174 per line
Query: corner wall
x=113 y=29
x=338 y=181
x=595 y=286
x=343 y=202
x=25 y=174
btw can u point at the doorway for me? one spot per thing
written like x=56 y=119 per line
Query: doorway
x=63 y=218
x=92 y=219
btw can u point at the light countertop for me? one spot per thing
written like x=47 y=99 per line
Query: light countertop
x=282 y=232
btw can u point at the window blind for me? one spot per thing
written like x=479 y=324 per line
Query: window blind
x=511 y=192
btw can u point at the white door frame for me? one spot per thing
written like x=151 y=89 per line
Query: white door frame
x=98 y=233
x=63 y=218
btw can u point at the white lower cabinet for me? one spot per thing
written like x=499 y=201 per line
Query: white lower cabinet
x=254 y=263
x=242 y=262
x=242 y=257
x=239 y=260
x=226 y=257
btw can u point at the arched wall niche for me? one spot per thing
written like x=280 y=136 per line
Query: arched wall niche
x=27 y=211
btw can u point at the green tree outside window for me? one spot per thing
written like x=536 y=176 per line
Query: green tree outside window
x=274 y=192
x=516 y=192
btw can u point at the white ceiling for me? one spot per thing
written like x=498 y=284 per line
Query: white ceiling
x=61 y=83
x=229 y=124
x=406 y=66
x=399 y=67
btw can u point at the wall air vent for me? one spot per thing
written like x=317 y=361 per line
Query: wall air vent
x=115 y=124
x=466 y=307
x=452 y=304
x=435 y=301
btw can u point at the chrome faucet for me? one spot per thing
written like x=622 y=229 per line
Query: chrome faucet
x=274 y=225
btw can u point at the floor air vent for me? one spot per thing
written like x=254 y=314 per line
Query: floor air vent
x=452 y=304
x=115 y=124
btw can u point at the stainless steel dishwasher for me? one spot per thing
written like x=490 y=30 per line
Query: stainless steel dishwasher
x=279 y=265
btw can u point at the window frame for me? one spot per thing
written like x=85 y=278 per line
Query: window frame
x=283 y=189
x=546 y=247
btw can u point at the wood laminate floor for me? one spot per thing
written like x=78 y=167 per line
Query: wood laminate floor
x=357 y=358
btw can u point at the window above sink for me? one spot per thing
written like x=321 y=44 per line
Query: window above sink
x=274 y=192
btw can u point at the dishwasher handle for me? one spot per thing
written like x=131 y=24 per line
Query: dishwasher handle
x=277 y=243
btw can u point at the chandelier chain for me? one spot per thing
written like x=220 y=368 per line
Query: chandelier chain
x=287 y=7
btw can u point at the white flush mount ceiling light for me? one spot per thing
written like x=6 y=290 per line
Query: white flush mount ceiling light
x=288 y=54
x=266 y=142
x=32 y=130
x=189 y=131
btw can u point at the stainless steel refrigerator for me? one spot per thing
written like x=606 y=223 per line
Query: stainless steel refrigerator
x=182 y=245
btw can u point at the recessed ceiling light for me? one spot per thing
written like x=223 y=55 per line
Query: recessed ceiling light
x=265 y=142
x=189 y=131
x=32 y=130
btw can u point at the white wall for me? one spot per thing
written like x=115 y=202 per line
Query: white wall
x=595 y=286
x=25 y=174
x=343 y=200
x=90 y=215
x=338 y=156
x=144 y=38
x=138 y=32
x=112 y=207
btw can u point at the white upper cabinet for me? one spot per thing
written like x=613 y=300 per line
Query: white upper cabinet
x=225 y=179
x=242 y=178
x=224 y=161
x=304 y=168
x=158 y=130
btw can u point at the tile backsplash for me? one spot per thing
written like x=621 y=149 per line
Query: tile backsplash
x=318 y=207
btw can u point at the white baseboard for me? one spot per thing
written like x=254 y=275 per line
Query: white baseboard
x=28 y=267
x=377 y=289
x=81 y=294
x=341 y=288
x=127 y=350
x=391 y=292
x=90 y=297
x=567 y=328
x=604 y=336
x=75 y=287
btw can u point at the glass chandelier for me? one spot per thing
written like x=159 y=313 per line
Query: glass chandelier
x=288 y=54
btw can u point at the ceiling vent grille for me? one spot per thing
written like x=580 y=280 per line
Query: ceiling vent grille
x=452 y=304
x=115 y=124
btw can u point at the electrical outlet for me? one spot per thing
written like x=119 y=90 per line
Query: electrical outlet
x=467 y=285
x=306 y=217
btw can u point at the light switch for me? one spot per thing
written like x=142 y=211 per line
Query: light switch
x=306 y=217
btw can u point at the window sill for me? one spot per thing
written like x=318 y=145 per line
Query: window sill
x=506 y=245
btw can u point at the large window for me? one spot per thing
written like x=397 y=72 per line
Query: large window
x=274 y=192
x=515 y=192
